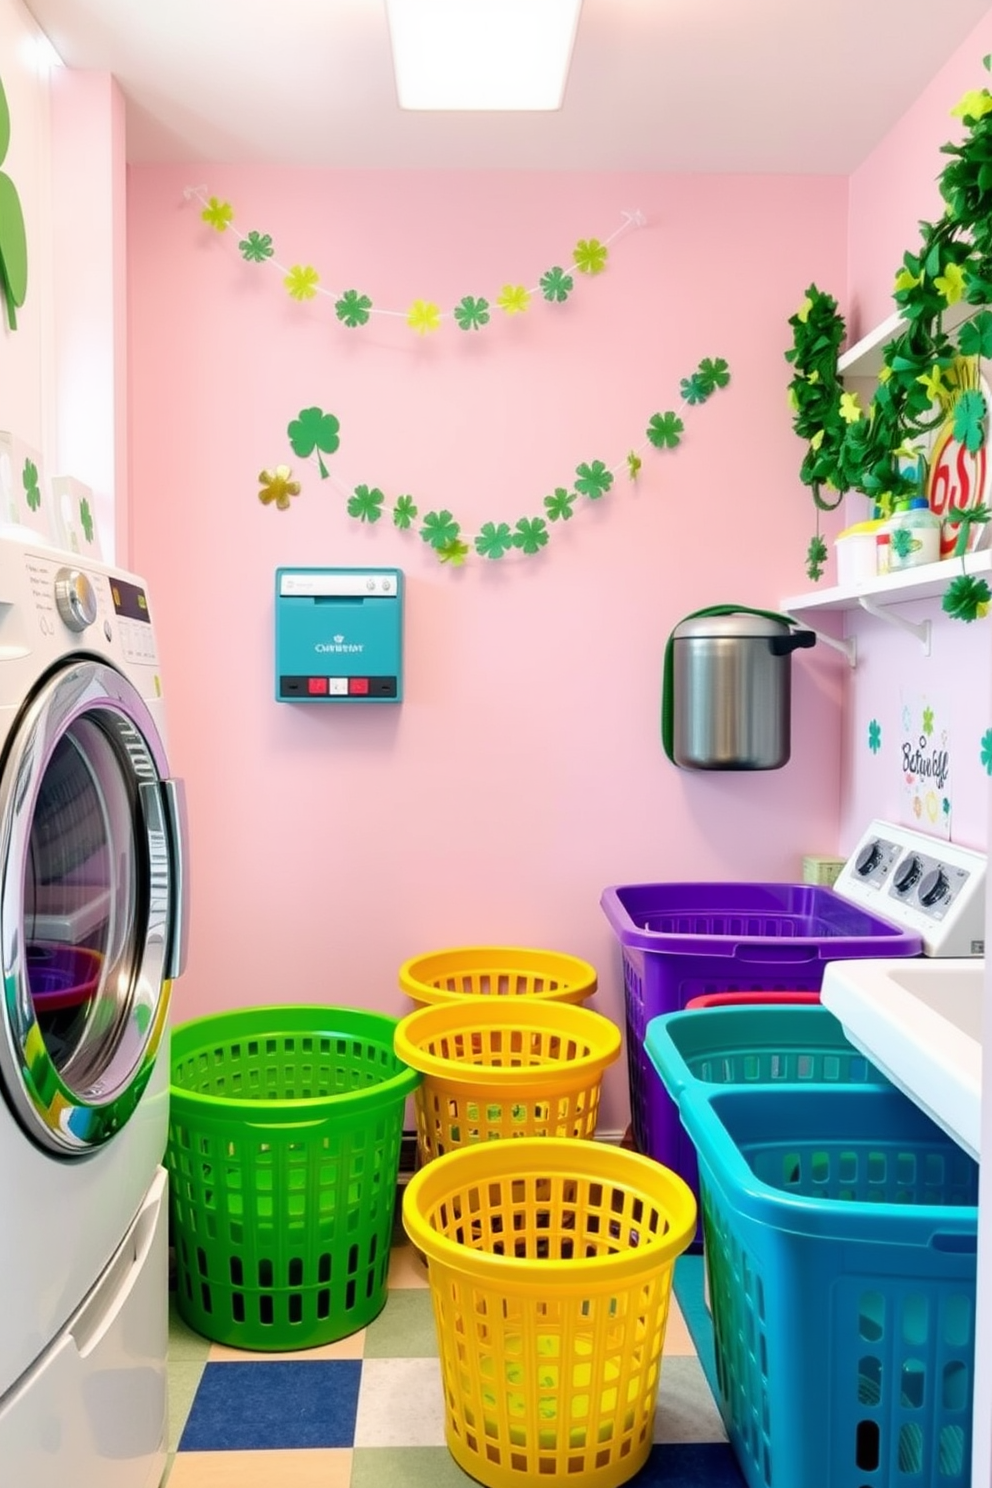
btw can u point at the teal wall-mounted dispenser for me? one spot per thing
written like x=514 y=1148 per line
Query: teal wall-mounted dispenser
x=339 y=635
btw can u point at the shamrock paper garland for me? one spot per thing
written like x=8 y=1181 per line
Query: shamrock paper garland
x=472 y=313
x=315 y=432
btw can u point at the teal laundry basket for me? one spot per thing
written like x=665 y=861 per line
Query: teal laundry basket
x=755 y=1044
x=840 y=1232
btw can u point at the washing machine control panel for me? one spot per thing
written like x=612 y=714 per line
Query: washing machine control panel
x=922 y=884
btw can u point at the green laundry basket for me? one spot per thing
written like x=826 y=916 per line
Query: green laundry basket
x=285 y=1126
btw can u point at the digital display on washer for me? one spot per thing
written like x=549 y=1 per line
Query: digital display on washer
x=129 y=601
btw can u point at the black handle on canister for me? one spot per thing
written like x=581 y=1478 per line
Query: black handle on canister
x=796 y=640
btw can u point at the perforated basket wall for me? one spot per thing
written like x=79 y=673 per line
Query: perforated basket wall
x=498 y=1067
x=283 y=1152
x=550 y=1265
x=496 y=971
x=841 y=1235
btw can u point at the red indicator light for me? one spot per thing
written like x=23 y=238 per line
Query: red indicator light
x=358 y=685
x=316 y=685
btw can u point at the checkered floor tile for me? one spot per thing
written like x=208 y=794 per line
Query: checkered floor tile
x=368 y=1410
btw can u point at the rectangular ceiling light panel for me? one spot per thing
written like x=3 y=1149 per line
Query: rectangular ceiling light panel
x=482 y=54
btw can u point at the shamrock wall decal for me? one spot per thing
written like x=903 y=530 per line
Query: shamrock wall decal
x=13 y=237
x=314 y=430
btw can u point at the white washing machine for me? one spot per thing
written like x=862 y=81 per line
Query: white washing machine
x=92 y=932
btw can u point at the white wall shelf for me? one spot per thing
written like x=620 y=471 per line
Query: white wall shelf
x=925 y=582
x=864 y=358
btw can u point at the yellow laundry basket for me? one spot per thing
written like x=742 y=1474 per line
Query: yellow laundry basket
x=504 y=1067
x=496 y=971
x=550 y=1264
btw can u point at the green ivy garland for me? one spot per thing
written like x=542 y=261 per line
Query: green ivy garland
x=851 y=448
x=316 y=433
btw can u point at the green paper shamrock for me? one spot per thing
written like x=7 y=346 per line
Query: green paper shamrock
x=969 y=420
x=556 y=285
x=218 y=213
x=13 y=236
x=366 y=504
x=256 y=248
x=86 y=520
x=493 y=541
x=713 y=372
x=903 y=542
x=404 y=513
x=693 y=389
x=472 y=314
x=353 y=308
x=454 y=552
x=313 y=429
x=29 y=480
x=531 y=534
x=590 y=256
x=966 y=599
x=440 y=529
x=593 y=480
x=816 y=557
x=665 y=430
x=559 y=506
x=634 y=463
x=986 y=751
x=874 y=736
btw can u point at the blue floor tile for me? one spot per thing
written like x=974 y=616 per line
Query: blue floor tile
x=283 y=1404
x=694 y=1465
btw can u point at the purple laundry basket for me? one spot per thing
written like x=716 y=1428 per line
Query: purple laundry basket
x=685 y=940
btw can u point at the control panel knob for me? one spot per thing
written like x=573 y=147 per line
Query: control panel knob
x=868 y=858
x=75 y=598
x=934 y=887
x=907 y=873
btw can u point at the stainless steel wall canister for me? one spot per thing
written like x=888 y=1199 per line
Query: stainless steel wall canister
x=732 y=691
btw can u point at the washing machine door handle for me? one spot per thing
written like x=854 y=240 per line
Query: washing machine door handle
x=177 y=829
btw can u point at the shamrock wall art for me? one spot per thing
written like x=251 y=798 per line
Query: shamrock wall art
x=13 y=238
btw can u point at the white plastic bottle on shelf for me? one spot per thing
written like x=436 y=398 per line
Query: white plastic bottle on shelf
x=914 y=534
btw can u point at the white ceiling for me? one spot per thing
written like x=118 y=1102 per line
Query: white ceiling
x=667 y=85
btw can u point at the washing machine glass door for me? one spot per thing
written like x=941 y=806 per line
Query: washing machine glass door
x=91 y=906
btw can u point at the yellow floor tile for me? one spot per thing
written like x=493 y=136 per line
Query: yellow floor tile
x=677 y=1339
x=325 y=1467
x=345 y=1348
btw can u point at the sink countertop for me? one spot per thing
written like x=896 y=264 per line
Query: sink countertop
x=920 y=1022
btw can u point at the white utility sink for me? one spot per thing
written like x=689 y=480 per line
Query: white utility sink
x=920 y=1022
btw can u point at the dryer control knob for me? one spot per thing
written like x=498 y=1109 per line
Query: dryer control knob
x=75 y=598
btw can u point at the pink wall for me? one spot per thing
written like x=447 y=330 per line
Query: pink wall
x=524 y=771
x=890 y=193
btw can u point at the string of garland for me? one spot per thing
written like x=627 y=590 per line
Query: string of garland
x=870 y=450
x=314 y=434
x=353 y=308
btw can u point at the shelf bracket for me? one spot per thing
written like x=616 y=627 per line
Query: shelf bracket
x=847 y=647
x=919 y=628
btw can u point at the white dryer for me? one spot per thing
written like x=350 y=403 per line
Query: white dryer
x=92 y=931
